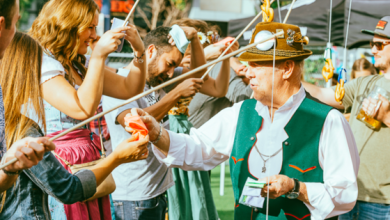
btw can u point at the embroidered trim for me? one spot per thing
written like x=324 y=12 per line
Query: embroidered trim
x=235 y=160
x=300 y=170
x=278 y=52
x=296 y=216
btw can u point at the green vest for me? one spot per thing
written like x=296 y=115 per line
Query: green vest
x=300 y=157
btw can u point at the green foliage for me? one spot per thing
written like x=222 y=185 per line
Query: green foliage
x=24 y=5
x=180 y=4
x=281 y=2
x=314 y=66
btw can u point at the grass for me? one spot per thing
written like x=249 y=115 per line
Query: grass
x=225 y=203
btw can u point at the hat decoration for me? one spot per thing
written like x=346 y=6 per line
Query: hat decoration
x=202 y=37
x=211 y=37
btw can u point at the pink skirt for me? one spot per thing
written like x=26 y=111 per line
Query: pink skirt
x=77 y=148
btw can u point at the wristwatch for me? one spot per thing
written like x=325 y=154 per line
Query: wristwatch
x=295 y=191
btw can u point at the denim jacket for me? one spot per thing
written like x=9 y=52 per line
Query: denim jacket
x=28 y=197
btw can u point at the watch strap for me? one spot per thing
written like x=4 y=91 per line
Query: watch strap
x=296 y=186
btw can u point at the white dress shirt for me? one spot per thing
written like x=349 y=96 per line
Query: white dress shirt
x=212 y=144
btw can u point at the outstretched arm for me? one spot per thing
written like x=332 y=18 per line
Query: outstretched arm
x=203 y=149
x=325 y=95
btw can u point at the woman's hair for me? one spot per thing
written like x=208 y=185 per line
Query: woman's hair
x=361 y=65
x=20 y=80
x=57 y=29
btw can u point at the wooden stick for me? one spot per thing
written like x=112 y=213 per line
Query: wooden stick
x=131 y=12
x=289 y=11
x=235 y=40
x=285 y=20
x=153 y=90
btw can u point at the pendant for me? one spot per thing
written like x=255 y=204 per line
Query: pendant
x=264 y=169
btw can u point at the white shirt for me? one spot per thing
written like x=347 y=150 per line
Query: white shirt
x=139 y=180
x=212 y=144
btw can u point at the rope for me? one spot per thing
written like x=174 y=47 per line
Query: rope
x=346 y=39
x=272 y=116
x=330 y=20
x=280 y=15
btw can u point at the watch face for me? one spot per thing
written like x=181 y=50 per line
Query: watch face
x=292 y=195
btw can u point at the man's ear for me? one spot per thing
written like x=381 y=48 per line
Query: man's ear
x=151 y=51
x=288 y=68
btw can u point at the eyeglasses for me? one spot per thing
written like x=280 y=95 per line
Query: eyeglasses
x=379 y=45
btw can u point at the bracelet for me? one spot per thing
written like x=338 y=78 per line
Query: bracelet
x=139 y=59
x=12 y=173
x=158 y=138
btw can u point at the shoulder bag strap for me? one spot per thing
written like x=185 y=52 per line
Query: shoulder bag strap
x=101 y=141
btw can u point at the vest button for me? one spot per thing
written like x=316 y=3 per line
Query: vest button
x=252 y=138
x=256 y=210
x=286 y=143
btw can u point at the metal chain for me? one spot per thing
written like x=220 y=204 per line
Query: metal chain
x=269 y=156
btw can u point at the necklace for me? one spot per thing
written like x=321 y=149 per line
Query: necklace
x=269 y=157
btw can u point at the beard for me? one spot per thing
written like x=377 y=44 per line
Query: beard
x=383 y=66
x=152 y=71
x=153 y=75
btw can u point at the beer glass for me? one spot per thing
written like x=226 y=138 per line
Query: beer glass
x=365 y=117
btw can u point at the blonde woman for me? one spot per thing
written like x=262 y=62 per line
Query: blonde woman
x=72 y=93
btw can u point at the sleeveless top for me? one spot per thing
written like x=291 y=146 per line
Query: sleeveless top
x=55 y=119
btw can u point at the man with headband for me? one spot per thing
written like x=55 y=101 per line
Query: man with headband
x=141 y=186
x=305 y=149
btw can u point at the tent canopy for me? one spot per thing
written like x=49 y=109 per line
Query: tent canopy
x=314 y=14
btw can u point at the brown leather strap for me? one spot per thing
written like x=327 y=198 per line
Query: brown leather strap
x=101 y=141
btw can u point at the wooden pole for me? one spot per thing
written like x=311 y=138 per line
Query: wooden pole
x=130 y=13
x=289 y=12
x=153 y=90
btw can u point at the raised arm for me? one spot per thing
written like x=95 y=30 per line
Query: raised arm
x=325 y=95
x=82 y=103
x=218 y=87
x=120 y=87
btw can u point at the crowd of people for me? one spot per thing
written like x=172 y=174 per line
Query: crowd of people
x=292 y=138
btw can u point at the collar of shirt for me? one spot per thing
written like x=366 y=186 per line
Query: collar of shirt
x=272 y=134
x=292 y=104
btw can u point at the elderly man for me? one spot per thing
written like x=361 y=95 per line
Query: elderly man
x=306 y=148
x=374 y=175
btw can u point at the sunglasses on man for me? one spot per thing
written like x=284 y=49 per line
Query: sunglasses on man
x=378 y=44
